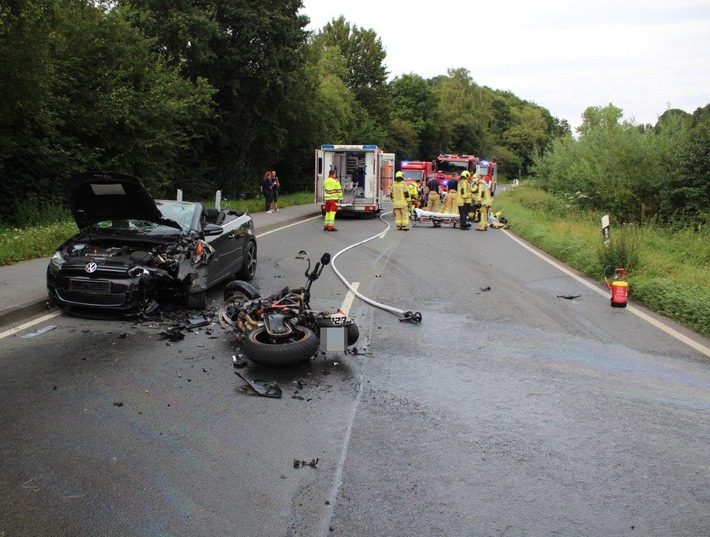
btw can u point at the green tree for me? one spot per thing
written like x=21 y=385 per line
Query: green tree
x=251 y=52
x=414 y=101
x=465 y=113
x=365 y=74
x=94 y=97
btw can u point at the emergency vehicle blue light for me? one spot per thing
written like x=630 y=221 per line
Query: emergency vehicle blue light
x=370 y=146
x=484 y=163
x=327 y=146
x=404 y=162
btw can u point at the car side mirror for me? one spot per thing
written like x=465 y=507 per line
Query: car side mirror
x=325 y=259
x=211 y=230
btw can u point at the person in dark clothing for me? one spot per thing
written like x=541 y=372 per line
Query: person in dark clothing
x=275 y=184
x=433 y=192
x=266 y=185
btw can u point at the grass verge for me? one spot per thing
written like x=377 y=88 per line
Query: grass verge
x=669 y=270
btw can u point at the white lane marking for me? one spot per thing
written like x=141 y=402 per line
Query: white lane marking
x=348 y=302
x=287 y=226
x=29 y=324
x=655 y=322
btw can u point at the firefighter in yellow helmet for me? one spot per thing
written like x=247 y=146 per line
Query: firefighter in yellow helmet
x=464 y=199
x=413 y=197
x=482 y=197
x=332 y=194
x=400 y=202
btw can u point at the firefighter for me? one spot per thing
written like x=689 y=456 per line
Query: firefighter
x=433 y=192
x=482 y=197
x=400 y=202
x=413 y=197
x=464 y=198
x=333 y=194
x=450 y=203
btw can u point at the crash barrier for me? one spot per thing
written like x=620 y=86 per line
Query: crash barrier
x=408 y=315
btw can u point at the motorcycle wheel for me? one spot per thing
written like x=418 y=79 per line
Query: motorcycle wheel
x=262 y=349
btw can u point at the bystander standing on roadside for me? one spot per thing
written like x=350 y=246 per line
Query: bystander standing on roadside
x=275 y=184
x=266 y=191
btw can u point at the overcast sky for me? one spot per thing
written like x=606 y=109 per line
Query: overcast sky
x=565 y=55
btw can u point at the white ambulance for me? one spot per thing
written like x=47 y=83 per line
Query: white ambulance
x=365 y=172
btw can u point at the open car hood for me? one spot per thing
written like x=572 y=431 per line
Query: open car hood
x=97 y=196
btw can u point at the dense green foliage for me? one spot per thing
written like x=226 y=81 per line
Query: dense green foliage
x=636 y=174
x=206 y=95
x=669 y=270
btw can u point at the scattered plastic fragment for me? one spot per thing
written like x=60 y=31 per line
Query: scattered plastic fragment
x=173 y=334
x=40 y=331
x=197 y=321
x=313 y=463
x=238 y=361
x=265 y=388
x=569 y=297
x=118 y=403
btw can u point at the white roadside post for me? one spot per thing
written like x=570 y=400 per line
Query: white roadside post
x=179 y=195
x=218 y=200
x=605 y=229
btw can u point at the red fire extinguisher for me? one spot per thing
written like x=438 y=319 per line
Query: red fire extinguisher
x=619 y=287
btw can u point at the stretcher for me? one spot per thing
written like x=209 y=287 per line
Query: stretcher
x=422 y=216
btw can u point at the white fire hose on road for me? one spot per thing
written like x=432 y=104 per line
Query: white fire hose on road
x=409 y=316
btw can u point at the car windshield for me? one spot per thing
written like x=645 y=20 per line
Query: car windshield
x=413 y=174
x=135 y=227
x=179 y=212
x=450 y=166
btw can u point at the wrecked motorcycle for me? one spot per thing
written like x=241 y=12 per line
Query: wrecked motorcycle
x=281 y=329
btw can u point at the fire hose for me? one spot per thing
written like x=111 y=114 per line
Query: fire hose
x=405 y=316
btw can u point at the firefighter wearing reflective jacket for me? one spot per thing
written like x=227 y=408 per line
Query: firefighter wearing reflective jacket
x=483 y=199
x=400 y=202
x=413 y=197
x=464 y=199
x=333 y=193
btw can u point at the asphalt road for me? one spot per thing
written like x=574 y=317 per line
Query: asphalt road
x=507 y=411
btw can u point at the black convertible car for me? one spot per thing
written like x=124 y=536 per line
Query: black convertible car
x=132 y=251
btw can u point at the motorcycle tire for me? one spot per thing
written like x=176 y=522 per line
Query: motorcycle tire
x=259 y=348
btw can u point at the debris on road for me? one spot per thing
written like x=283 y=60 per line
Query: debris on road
x=569 y=297
x=39 y=331
x=265 y=388
x=313 y=463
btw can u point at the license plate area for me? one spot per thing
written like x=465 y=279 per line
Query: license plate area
x=90 y=286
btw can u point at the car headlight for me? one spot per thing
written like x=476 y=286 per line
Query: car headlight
x=57 y=260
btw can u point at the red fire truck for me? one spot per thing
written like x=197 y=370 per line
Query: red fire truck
x=417 y=170
x=448 y=164
x=488 y=171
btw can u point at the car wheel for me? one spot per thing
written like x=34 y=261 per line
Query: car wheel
x=261 y=349
x=240 y=289
x=196 y=301
x=248 y=270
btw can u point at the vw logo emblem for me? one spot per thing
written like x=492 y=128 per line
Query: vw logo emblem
x=91 y=267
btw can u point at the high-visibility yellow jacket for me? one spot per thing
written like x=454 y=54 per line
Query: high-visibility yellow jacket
x=332 y=189
x=464 y=193
x=482 y=194
x=413 y=191
x=400 y=195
